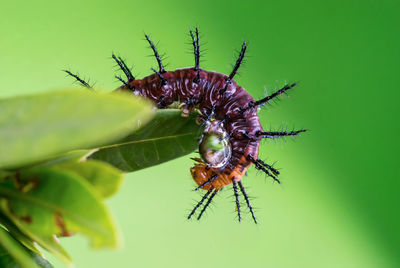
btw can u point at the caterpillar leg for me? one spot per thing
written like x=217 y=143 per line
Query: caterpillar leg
x=188 y=106
x=207 y=116
x=80 y=80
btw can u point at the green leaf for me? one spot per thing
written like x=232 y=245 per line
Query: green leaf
x=50 y=201
x=26 y=237
x=70 y=157
x=4 y=174
x=13 y=254
x=166 y=137
x=38 y=127
x=39 y=260
x=105 y=178
x=20 y=236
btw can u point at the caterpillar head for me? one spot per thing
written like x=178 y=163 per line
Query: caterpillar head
x=215 y=151
x=215 y=148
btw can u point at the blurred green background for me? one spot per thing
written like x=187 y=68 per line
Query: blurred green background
x=338 y=205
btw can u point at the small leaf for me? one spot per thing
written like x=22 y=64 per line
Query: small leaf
x=105 y=178
x=72 y=156
x=22 y=238
x=48 y=200
x=48 y=242
x=39 y=260
x=13 y=254
x=166 y=137
x=37 y=127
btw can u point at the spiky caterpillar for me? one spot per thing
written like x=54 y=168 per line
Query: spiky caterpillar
x=232 y=135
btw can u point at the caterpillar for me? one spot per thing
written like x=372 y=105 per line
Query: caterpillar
x=232 y=130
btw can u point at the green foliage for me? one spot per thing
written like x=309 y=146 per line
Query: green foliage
x=43 y=205
x=166 y=137
x=103 y=177
x=59 y=159
x=14 y=255
x=57 y=122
